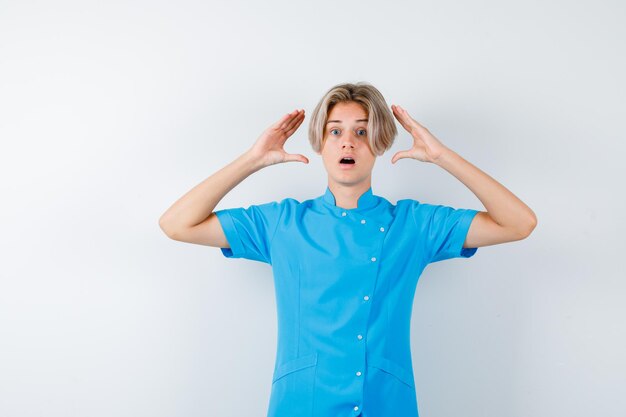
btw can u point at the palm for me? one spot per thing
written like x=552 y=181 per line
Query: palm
x=419 y=150
x=269 y=147
x=426 y=147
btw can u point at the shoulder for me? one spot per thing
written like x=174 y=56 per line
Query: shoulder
x=275 y=205
x=289 y=201
x=285 y=207
x=287 y=204
x=407 y=203
x=424 y=213
x=407 y=207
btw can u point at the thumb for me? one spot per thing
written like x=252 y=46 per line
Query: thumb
x=290 y=157
x=400 y=155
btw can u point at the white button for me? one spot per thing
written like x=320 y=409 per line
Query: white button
x=366 y=297
x=356 y=408
x=382 y=229
x=362 y=221
x=358 y=373
x=359 y=337
x=373 y=259
x=343 y=214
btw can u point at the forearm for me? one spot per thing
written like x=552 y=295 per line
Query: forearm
x=198 y=203
x=502 y=205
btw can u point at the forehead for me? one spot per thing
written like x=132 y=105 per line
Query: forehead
x=347 y=111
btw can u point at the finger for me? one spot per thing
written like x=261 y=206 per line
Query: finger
x=285 y=119
x=399 y=113
x=287 y=134
x=286 y=125
x=397 y=108
x=295 y=125
x=403 y=122
x=404 y=116
x=296 y=158
x=403 y=113
x=280 y=122
x=400 y=155
x=400 y=109
x=294 y=122
x=407 y=121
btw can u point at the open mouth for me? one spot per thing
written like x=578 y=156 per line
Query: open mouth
x=347 y=160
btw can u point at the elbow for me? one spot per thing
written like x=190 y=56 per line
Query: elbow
x=529 y=227
x=165 y=227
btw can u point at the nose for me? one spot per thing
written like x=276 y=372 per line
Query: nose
x=348 y=140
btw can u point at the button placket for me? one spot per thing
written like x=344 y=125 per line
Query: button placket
x=360 y=337
x=371 y=244
x=353 y=219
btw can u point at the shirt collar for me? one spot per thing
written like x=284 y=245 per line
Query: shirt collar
x=366 y=200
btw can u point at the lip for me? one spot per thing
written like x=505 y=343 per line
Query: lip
x=346 y=166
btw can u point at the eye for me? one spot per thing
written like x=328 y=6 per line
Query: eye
x=360 y=132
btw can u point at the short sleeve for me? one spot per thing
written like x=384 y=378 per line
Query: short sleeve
x=249 y=231
x=443 y=230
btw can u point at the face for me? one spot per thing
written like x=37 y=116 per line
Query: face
x=346 y=134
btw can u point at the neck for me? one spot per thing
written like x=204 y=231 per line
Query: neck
x=347 y=196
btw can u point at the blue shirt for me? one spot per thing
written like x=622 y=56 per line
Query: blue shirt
x=345 y=281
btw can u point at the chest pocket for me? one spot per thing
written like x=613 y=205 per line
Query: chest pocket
x=292 y=388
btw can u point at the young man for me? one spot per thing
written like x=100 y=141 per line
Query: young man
x=346 y=264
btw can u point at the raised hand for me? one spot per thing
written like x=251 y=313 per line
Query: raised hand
x=268 y=148
x=426 y=147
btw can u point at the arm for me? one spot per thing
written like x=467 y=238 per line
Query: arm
x=507 y=218
x=191 y=218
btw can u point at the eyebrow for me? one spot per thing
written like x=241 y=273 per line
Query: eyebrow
x=339 y=121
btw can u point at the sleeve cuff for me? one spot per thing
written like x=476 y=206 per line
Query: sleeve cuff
x=228 y=226
x=461 y=234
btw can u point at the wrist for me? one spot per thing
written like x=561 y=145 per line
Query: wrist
x=251 y=161
x=445 y=156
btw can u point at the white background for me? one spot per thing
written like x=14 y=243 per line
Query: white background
x=110 y=111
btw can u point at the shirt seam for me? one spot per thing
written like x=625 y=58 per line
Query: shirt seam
x=271 y=241
x=417 y=230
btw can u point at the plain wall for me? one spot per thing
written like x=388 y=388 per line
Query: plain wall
x=110 y=111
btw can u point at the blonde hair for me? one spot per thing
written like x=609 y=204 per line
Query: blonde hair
x=381 y=126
